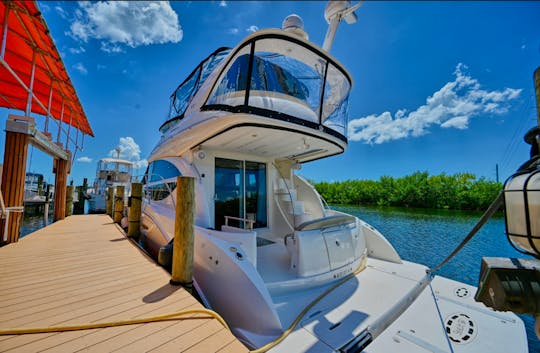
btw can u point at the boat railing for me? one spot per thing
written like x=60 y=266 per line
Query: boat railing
x=247 y=222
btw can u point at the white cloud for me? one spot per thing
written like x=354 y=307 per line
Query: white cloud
x=459 y=122
x=233 y=30
x=61 y=12
x=252 y=29
x=43 y=7
x=223 y=3
x=80 y=67
x=452 y=106
x=78 y=50
x=130 y=151
x=109 y=47
x=131 y=23
x=84 y=159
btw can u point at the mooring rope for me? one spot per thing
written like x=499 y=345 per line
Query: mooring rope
x=499 y=200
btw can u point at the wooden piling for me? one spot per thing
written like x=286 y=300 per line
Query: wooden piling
x=110 y=199
x=182 y=263
x=60 y=168
x=13 y=176
x=69 y=200
x=78 y=207
x=119 y=204
x=134 y=215
x=47 y=200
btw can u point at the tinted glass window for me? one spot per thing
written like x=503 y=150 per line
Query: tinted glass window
x=182 y=95
x=161 y=170
x=159 y=191
x=158 y=172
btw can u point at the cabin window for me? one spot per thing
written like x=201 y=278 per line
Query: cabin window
x=240 y=191
x=182 y=96
x=160 y=180
x=282 y=78
x=232 y=86
x=336 y=101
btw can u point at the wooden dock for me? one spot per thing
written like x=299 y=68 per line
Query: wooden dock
x=84 y=270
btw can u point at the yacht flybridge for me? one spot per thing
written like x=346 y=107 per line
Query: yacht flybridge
x=287 y=273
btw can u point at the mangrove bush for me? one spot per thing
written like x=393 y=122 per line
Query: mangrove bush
x=462 y=191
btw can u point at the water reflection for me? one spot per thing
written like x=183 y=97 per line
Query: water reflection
x=34 y=221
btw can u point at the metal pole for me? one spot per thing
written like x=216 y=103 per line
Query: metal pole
x=69 y=127
x=5 y=29
x=60 y=122
x=23 y=85
x=537 y=90
x=21 y=82
x=49 y=107
x=331 y=32
x=31 y=88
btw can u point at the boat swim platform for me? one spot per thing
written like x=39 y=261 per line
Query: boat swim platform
x=84 y=270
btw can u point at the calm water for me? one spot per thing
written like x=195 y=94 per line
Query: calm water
x=31 y=223
x=427 y=237
x=422 y=236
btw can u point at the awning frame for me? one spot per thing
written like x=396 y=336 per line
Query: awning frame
x=57 y=75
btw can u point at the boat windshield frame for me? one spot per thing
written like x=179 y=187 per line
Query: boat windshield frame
x=319 y=123
x=196 y=74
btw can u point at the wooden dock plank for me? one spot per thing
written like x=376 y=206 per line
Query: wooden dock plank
x=82 y=270
x=232 y=347
x=191 y=338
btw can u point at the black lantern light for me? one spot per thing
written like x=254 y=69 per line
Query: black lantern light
x=522 y=209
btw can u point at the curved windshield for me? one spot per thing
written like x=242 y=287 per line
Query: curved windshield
x=181 y=97
x=287 y=78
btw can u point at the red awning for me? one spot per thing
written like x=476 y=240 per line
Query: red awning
x=28 y=35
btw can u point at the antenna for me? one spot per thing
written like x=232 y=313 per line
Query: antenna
x=335 y=12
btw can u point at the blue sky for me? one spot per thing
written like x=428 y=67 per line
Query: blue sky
x=438 y=86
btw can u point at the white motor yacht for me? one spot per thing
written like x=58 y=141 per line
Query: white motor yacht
x=287 y=273
x=111 y=172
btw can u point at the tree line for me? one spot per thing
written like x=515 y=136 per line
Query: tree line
x=462 y=191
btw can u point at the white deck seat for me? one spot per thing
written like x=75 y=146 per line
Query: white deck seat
x=326 y=222
x=336 y=236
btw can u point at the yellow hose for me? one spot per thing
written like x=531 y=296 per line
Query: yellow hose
x=172 y=316
x=177 y=316
x=288 y=331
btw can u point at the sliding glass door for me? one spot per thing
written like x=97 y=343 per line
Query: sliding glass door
x=240 y=192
